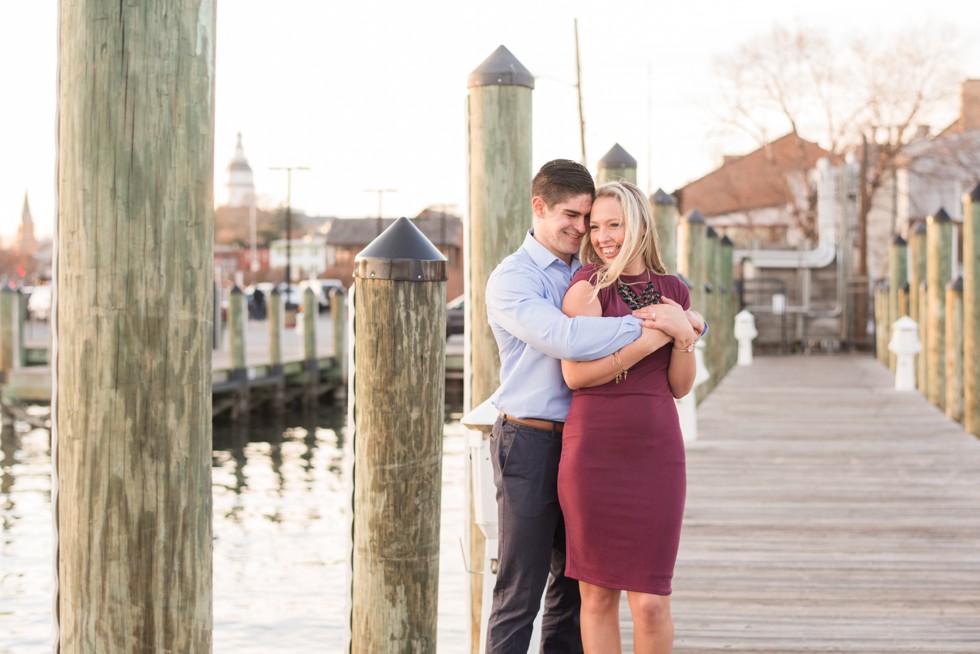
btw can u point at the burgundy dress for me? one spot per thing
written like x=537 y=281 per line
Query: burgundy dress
x=622 y=478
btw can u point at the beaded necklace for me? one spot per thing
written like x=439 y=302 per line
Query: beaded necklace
x=634 y=301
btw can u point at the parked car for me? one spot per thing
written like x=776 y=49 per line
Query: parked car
x=323 y=288
x=455 y=316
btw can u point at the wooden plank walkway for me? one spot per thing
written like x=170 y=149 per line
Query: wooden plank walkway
x=827 y=512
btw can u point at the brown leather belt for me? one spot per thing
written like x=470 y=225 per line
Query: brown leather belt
x=536 y=423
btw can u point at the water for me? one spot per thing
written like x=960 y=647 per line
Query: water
x=280 y=538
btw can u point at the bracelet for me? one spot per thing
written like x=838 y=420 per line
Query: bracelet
x=621 y=375
x=689 y=348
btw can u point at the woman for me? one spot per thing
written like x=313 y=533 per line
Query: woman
x=622 y=480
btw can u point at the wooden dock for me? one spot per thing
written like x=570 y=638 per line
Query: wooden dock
x=827 y=512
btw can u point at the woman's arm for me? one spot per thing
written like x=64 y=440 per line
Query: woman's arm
x=583 y=374
x=675 y=322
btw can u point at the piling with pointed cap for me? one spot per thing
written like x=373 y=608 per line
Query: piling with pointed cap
x=897 y=278
x=883 y=321
x=971 y=311
x=499 y=139
x=954 y=349
x=922 y=369
x=131 y=407
x=397 y=416
x=939 y=271
x=730 y=303
x=917 y=275
x=616 y=165
x=665 y=217
x=275 y=319
x=310 y=362
x=236 y=343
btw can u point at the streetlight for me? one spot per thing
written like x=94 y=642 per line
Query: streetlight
x=289 y=220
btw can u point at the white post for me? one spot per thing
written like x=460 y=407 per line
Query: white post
x=687 y=406
x=745 y=333
x=905 y=345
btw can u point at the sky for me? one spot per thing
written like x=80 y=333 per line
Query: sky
x=371 y=94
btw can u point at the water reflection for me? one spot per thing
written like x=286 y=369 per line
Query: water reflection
x=281 y=527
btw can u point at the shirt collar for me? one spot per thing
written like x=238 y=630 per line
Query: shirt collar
x=542 y=256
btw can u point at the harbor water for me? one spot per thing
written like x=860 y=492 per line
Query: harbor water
x=281 y=537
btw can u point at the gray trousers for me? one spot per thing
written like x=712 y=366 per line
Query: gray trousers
x=531 y=533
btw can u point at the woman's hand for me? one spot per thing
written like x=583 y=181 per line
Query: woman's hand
x=670 y=318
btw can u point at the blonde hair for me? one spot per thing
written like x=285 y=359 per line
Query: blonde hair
x=640 y=238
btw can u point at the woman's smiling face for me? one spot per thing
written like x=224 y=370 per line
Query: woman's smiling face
x=606 y=228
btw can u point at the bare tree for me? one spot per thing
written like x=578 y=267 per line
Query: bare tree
x=877 y=88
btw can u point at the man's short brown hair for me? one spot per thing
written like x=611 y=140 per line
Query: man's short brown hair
x=561 y=179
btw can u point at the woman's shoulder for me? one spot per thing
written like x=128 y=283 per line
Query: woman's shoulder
x=586 y=273
x=674 y=287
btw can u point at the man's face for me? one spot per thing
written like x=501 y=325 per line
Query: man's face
x=560 y=227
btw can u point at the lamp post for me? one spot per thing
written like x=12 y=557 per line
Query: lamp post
x=289 y=220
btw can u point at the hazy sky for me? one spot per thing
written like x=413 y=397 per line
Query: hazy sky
x=371 y=94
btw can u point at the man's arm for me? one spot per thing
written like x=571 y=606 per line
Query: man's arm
x=517 y=303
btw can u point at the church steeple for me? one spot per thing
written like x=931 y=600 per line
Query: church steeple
x=240 y=184
x=26 y=243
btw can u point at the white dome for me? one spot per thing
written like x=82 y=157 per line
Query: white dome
x=240 y=184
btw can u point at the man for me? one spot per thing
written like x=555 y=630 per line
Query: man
x=524 y=296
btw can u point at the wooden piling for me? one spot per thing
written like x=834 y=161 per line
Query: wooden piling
x=954 y=349
x=131 y=408
x=917 y=275
x=275 y=322
x=616 y=165
x=922 y=369
x=338 y=317
x=897 y=278
x=726 y=331
x=499 y=131
x=311 y=364
x=971 y=311
x=397 y=415
x=883 y=322
x=665 y=217
x=691 y=247
x=8 y=297
x=939 y=270
x=236 y=341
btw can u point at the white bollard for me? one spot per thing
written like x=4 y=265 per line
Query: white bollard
x=905 y=345
x=687 y=406
x=745 y=333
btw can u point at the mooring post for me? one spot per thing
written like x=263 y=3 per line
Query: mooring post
x=311 y=363
x=917 y=275
x=897 y=278
x=904 y=344
x=690 y=243
x=499 y=136
x=236 y=343
x=7 y=299
x=398 y=413
x=971 y=311
x=939 y=270
x=922 y=372
x=338 y=317
x=954 y=349
x=20 y=348
x=616 y=165
x=665 y=217
x=131 y=402
x=727 y=321
x=883 y=321
x=275 y=320
x=712 y=304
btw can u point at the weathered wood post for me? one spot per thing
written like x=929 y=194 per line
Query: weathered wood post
x=954 y=349
x=883 y=321
x=236 y=343
x=939 y=270
x=338 y=318
x=690 y=245
x=897 y=277
x=311 y=363
x=917 y=275
x=922 y=372
x=712 y=309
x=665 y=217
x=275 y=320
x=398 y=412
x=499 y=134
x=727 y=331
x=20 y=349
x=615 y=165
x=7 y=316
x=971 y=311
x=131 y=407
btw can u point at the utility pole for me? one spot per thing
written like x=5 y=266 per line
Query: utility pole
x=380 y=192
x=289 y=220
x=578 y=87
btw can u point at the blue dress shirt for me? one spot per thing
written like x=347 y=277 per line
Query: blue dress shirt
x=524 y=296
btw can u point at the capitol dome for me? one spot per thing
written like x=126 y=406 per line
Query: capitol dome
x=240 y=185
